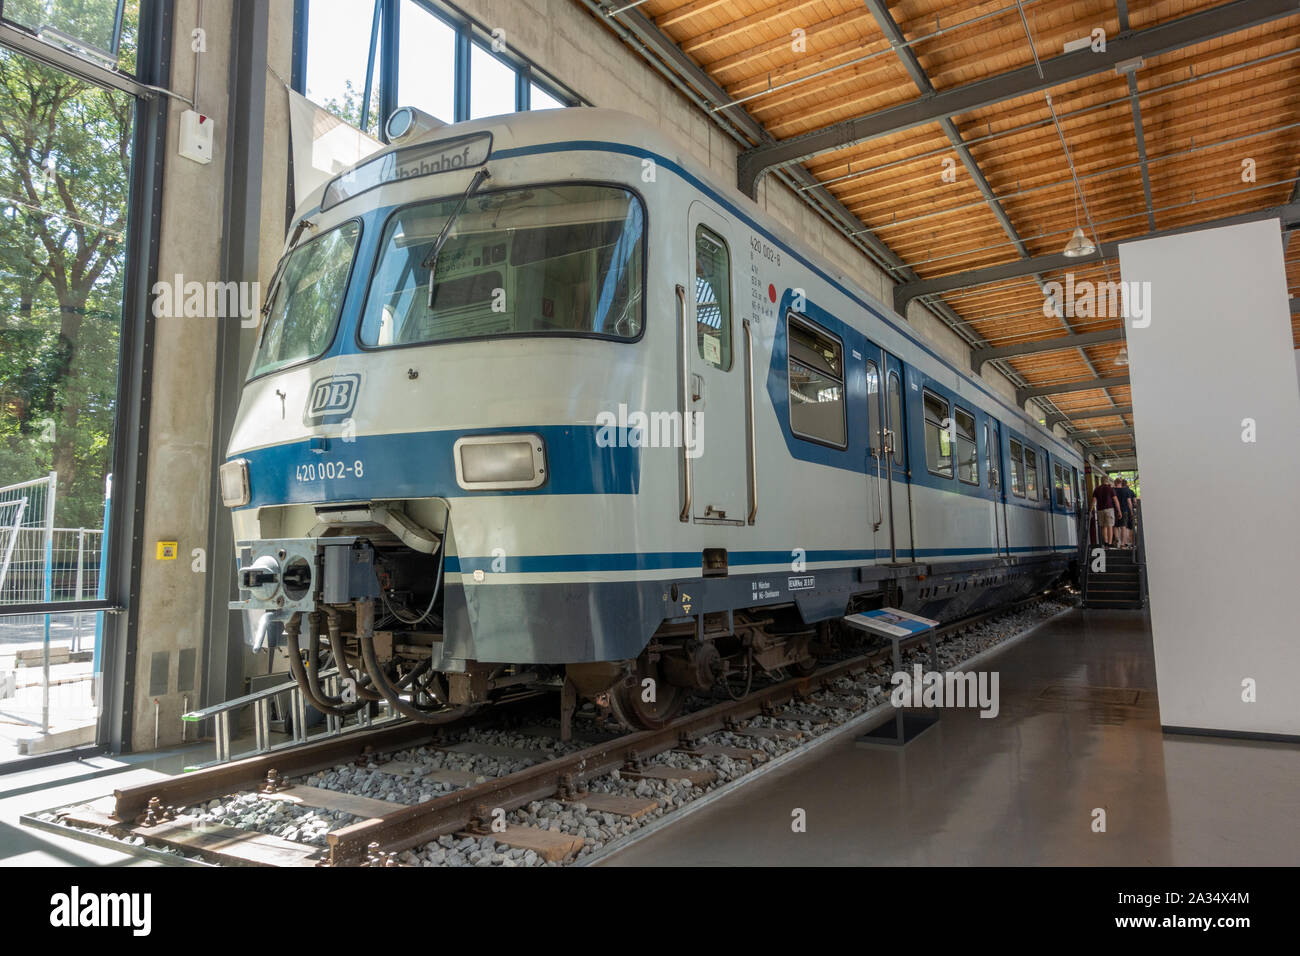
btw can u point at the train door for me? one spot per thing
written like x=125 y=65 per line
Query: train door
x=717 y=445
x=993 y=472
x=900 y=491
x=877 y=469
x=1049 y=487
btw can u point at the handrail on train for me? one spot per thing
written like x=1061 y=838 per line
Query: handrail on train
x=686 y=399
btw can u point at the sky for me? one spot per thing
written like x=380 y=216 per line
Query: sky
x=337 y=47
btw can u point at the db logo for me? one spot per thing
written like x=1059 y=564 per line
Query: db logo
x=331 y=399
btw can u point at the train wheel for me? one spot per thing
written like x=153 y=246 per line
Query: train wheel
x=627 y=699
x=804 y=667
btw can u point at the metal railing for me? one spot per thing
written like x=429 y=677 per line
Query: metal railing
x=261 y=701
x=42 y=565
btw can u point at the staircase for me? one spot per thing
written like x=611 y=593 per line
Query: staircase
x=1121 y=585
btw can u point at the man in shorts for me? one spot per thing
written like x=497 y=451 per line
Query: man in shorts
x=1104 y=503
x=1125 y=495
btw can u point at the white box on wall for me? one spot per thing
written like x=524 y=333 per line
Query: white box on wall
x=1217 y=416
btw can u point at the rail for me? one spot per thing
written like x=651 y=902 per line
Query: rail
x=415 y=824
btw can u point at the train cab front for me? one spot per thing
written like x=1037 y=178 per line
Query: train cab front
x=440 y=336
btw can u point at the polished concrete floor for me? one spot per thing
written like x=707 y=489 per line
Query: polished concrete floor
x=73 y=782
x=1021 y=788
x=1078 y=731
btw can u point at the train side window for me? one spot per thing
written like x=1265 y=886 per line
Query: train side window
x=1078 y=489
x=938 y=440
x=873 y=408
x=1017 y=469
x=968 y=464
x=816 y=370
x=1058 y=484
x=713 y=298
x=1031 y=474
x=895 y=417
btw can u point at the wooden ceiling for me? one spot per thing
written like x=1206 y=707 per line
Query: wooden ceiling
x=1203 y=110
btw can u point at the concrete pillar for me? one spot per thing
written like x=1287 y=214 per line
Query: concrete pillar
x=199 y=359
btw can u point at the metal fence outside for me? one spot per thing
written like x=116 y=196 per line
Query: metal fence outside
x=44 y=564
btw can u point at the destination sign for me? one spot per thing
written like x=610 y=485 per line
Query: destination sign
x=423 y=159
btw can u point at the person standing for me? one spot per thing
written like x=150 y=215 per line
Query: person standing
x=1104 y=504
x=1125 y=495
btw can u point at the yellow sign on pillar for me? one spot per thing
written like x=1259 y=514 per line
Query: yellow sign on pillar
x=167 y=550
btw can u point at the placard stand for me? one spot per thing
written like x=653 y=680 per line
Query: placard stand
x=897 y=626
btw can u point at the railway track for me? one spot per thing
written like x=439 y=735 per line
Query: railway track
x=613 y=777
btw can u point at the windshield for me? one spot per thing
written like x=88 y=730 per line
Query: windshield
x=528 y=261
x=305 y=301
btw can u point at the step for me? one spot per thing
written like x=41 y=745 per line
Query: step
x=1113 y=592
x=1103 y=604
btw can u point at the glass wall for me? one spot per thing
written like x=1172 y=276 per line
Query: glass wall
x=65 y=177
x=441 y=62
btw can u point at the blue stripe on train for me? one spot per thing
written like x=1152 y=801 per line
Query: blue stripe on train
x=420 y=465
x=665 y=560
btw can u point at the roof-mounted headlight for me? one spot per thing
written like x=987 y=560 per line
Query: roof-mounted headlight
x=234 y=483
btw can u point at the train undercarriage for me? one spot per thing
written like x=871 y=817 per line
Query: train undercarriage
x=343 y=662
x=362 y=619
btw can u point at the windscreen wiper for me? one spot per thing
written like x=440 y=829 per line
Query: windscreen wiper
x=431 y=260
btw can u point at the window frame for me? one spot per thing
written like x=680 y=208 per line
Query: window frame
x=816 y=329
x=1031 y=493
x=875 y=411
x=278 y=277
x=926 y=423
x=397 y=210
x=485 y=46
x=713 y=234
x=1017 y=460
x=894 y=390
x=974 y=440
x=468 y=31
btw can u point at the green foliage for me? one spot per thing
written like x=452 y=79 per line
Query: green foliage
x=349 y=110
x=64 y=179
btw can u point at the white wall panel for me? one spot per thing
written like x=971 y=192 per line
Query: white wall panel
x=1221 y=513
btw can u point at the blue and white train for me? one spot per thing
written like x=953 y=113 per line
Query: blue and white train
x=537 y=401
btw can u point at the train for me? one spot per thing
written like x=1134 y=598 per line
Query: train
x=538 y=403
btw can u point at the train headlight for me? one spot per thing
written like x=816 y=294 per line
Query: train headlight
x=500 y=462
x=234 y=483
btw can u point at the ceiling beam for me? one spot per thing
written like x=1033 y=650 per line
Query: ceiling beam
x=1087 y=385
x=1109 y=433
x=1189 y=30
x=640 y=33
x=921 y=80
x=905 y=293
x=1135 y=105
x=979 y=356
x=1060 y=418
